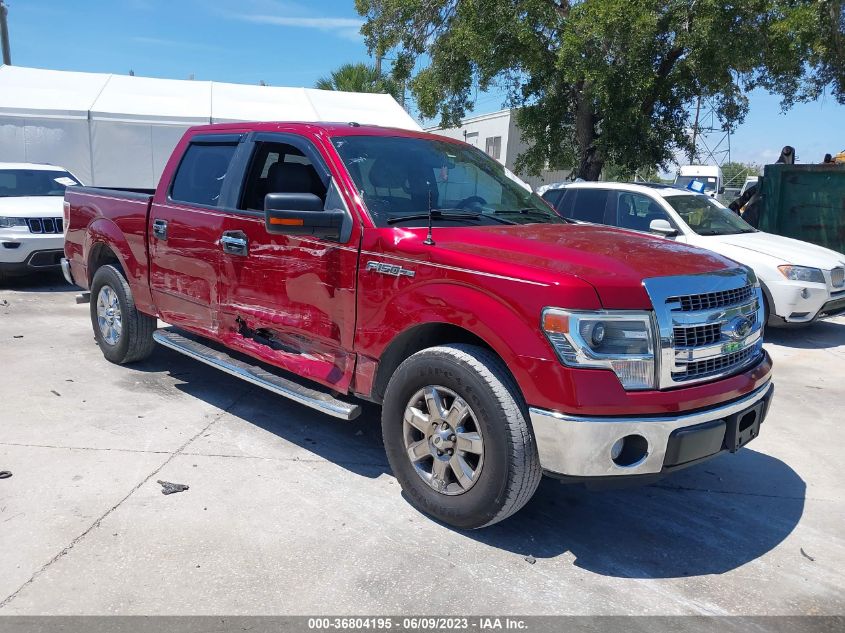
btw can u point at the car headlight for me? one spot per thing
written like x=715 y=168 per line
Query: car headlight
x=802 y=273
x=620 y=341
x=7 y=223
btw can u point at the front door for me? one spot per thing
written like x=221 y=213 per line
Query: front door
x=186 y=223
x=289 y=300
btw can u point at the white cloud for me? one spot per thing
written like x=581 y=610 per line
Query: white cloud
x=347 y=28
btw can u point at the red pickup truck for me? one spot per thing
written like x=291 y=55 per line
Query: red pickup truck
x=328 y=262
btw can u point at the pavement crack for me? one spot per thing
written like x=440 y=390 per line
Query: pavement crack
x=85 y=448
x=306 y=460
x=103 y=516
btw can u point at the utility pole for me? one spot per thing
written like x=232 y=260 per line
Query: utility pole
x=693 y=152
x=4 y=34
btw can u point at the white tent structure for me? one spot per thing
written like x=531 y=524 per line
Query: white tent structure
x=118 y=131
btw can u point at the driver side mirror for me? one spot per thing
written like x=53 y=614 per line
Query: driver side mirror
x=301 y=214
x=663 y=228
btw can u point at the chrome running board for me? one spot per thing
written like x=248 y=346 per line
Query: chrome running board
x=256 y=375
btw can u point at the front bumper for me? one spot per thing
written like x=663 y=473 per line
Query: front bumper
x=35 y=261
x=803 y=302
x=22 y=251
x=575 y=446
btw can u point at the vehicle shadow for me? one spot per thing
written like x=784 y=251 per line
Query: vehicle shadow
x=355 y=445
x=819 y=335
x=38 y=282
x=709 y=519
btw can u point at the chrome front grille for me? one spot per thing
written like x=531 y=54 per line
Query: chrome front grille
x=697 y=335
x=837 y=277
x=714 y=366
x=712 y=330
x=44 y=225
x=710 y=300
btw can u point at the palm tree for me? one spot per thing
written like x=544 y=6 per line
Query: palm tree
x=358 y=78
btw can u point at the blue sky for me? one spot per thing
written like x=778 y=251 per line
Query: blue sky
x=292 y=44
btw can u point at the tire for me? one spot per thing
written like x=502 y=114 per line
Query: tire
x=505 y=472
x=134 y=330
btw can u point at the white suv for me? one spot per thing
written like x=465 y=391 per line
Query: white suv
x=801 y=281
x=31 y=228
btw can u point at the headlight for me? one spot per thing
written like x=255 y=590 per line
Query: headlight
x=619 y=341
x=7 y=223
x=802 y=273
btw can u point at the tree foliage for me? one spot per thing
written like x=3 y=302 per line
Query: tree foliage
x=734 y=173
x=608 y=81
x=359 y=78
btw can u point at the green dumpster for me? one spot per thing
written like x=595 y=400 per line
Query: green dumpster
x=806 y=202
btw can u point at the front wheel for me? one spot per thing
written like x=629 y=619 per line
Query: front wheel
x=124 y=334
x=457 y=436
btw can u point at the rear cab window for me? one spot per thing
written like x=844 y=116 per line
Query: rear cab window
x=200 y=175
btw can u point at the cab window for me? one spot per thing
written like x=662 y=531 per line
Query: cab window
x=199 y=178
x=636 y=211
x=279 y=168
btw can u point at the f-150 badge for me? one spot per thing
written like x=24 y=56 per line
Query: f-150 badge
x=390 y=269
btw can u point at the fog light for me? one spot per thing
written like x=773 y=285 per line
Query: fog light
x=805 y=293
x=629 y=450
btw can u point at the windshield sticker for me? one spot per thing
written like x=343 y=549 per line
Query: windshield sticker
x=696 y=185
x=64 y=180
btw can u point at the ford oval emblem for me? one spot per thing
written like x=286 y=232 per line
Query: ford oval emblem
x=740 y=327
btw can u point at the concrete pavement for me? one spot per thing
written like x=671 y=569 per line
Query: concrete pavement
x=291 y=512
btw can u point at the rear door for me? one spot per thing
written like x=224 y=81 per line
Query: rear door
x=289 y=300
x=185 y=225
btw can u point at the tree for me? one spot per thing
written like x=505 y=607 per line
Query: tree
x=359 y=78
x=734 y=174
x=601 y=81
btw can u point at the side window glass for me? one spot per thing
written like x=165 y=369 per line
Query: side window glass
x=200 y=175
x=553 y=196
x=567 y=203
x=590 y=205
x=636 y=211
x=279 y=168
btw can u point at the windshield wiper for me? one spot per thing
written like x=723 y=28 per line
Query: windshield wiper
x=436 y=214
x=534 y=212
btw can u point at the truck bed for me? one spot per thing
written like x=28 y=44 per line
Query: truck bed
x=109 y=223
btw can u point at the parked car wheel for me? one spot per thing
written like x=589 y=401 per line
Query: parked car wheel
x=123 y=334
x=457 y=436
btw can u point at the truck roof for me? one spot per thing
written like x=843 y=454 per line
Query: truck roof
x=33 y=166
x=349 y=128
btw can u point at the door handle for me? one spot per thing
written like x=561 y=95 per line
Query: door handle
x=160 y=229
x=234 y=243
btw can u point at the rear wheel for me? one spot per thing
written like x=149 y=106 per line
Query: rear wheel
x=123 y=334
x=457 y=436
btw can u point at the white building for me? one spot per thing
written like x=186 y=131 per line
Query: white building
x=119 y=131
x=498 y=135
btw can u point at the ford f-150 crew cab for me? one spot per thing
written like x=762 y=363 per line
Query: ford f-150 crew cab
x=332 y=261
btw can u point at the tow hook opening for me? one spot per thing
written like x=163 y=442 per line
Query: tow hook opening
x=747 y=420
x=629 y=450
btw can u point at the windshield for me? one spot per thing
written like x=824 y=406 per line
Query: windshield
x=399 y=177
x=709 y=181
x=16 y=183
x=705 y=216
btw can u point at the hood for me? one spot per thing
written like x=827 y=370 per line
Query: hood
x=784 y=249
x=613 y=261
x=32 y=207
